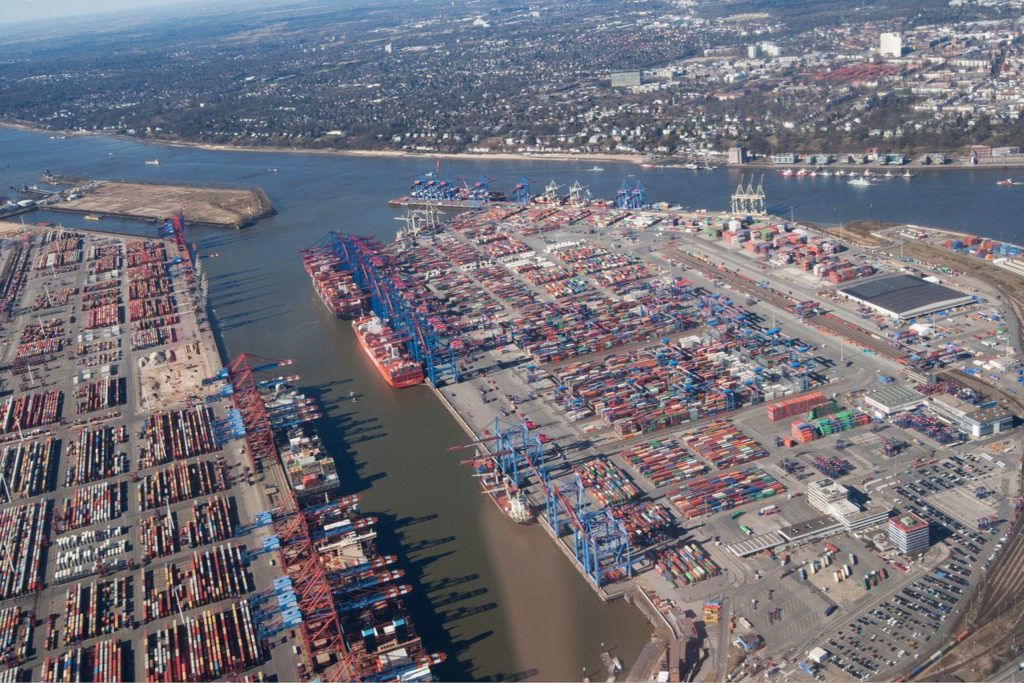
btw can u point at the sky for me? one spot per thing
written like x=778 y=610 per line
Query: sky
x=49 y=10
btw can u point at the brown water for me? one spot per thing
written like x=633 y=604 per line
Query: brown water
x=499 y=598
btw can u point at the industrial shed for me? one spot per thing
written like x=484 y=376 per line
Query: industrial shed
x=904 y=296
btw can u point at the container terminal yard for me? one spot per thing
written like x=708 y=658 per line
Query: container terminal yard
x=168 y=515
x=795 y=455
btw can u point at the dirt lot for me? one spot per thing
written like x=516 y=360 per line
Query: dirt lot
x=233 y=208
x=171 y=376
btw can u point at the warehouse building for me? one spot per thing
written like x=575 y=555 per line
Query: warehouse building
x=903 y=296
x=976 y=421
x=894 y=398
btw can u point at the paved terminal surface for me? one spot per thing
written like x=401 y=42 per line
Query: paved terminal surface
x=891 y=621
x=105 y=548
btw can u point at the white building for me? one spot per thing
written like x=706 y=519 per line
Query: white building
x=832 y=498
x=890 y=45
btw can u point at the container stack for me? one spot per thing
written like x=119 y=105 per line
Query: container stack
x=28 y=468
x=645 y=390
x=98 y=609
x=646 y=522
x=181 y=481
x=210 y=521
x=102 y=661
x=725 y=491
x=178 y=435
x=53 y=299
x=795 y=406
x=931 y=427
x=723 y=445
x=30 y=411
x=94 y=456
x=212 y=575
x=805 y=432
x=832 y=467
x=24 y=534
x=59 y=252
x=93 y=504
x=663 y=462
x=688 y=564
x=89 y=552
x=873 y=578
x=605 y=482
x=101 y=394
x=16 y=626
x=214 y=645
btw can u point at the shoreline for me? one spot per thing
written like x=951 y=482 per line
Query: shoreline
x=363 y=153
x=635 y=159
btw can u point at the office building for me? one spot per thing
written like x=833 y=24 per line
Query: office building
x=890 y=45
x=909 y=533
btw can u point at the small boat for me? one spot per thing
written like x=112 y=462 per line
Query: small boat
x=1005 y=183
x=90 y=217
x=691 y=166
x=824 y=173
x=868 y=174
x=152 y=162
x=803 y=172
x=907 y=174
x=788 y=173
x=888 y=174
x=595 y=169
x=859 y=182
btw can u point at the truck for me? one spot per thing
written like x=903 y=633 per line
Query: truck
x=830 y=609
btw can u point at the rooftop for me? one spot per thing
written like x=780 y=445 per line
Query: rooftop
x=908 y=522
x=899 y=293
x=810 y=527
x=894 y=396
x=991 y=414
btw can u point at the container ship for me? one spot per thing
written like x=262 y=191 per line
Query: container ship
x=334 y=285
x=310 y=469
x=510 y=500
x=387 y=351
x=364 y=586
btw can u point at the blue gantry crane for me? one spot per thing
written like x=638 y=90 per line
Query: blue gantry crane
x=370 y=271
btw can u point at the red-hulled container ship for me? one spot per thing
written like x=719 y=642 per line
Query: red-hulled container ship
x=387 y=351
x=334 y=285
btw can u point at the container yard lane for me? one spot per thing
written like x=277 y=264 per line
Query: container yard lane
x=126 y=519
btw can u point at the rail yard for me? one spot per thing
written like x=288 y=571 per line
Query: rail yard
x=166 y=515
x=703 y=422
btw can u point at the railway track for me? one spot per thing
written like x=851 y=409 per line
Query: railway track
x=997 y=596
x=823 y=321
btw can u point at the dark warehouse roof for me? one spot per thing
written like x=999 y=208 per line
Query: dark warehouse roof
x=902 y=293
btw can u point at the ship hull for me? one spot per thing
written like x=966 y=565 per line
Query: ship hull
x=396 y=382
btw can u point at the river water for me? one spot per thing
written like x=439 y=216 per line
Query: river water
x=500 y=599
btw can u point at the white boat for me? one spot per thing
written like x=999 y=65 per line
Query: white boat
x=691 y=166
x=825 y=174
x=788 y=173
x=596 y=169
x=888 y=174
x=907 y=174
x=859 y=182
x=152 y=162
